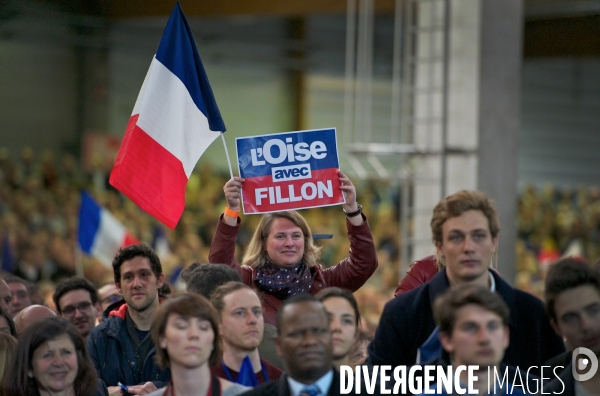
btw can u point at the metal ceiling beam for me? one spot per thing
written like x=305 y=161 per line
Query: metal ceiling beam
x=562 y=37
x=119 y=9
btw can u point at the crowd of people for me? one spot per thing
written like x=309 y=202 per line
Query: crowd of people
x=39 y=200
x=271 y=318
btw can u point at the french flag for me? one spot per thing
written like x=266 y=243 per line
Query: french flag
x=174 y=120
x=100 y=233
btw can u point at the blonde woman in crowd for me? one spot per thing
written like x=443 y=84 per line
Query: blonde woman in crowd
x=282 y=260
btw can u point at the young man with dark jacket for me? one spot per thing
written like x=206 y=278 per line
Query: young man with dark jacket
x=573 y=304
x=465 y=230
x=121 y=347
x=473 y=324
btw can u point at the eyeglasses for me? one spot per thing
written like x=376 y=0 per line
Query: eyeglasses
x=83 y=307
x=112 y=299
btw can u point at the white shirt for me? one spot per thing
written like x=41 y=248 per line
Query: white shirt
x=323 y=383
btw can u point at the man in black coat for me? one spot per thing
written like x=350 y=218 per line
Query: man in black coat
x=465 y=229
x=573 y=304
x=304 y=342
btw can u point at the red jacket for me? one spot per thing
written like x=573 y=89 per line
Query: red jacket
x=350 y=273
x=419 y=272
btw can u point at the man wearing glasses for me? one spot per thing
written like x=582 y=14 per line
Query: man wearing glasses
x=76 y=300
x=108 y=294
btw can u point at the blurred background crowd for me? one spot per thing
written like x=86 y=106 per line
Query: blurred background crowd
x=39 y=215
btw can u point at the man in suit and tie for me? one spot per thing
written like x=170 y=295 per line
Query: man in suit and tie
x=305 y=345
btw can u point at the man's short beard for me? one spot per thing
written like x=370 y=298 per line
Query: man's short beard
x=143 y=308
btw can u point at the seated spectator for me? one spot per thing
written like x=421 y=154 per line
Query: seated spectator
x=76 y=300
x=465 y=230
x=50 y=346
x=8 y=346
x=5 y=296
x=19 y=293
x=344 y=322
x=241 y=327
x=186 y=333
x=204 y=279
x=359 y=353
x=121 y=347
x=282 y=259
x=31 y=315
x=28 y=267
x=108 y=295
x=304 y=343
x=473 y=324
x=35 y=293
x=7 y=324
x=573 y=304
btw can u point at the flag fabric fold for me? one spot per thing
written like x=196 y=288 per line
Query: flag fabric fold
x=101 y=234
x=174 y=120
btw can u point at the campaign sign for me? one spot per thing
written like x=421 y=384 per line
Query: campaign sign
x=285 y=171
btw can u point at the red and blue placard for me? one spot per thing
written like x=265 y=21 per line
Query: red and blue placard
x=293 y=170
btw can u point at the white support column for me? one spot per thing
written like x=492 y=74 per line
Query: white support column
x=482 y=118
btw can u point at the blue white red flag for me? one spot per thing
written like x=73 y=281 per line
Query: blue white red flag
x=293 y=170
x=100 y=234
x=174 y=120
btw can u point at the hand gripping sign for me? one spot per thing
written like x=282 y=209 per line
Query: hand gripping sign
x=285 y=171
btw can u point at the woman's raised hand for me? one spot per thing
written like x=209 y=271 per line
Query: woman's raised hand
x=233 y=196
x=233 y=192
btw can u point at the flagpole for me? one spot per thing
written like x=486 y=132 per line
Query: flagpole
x=227 y=155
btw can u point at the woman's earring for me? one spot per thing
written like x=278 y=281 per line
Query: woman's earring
x=212 y=347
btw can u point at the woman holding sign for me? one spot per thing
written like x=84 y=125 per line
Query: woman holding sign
x=282 y=260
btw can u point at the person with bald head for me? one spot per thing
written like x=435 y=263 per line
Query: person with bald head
x=31 y=314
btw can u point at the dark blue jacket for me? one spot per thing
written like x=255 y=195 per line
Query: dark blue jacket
x=407 y=321
x=563 y=384
x=113 y=353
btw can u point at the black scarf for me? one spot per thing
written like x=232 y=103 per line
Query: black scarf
x=284 y=282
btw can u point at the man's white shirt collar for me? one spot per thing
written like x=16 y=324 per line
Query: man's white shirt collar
x=492 y=281
x=323 y=383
